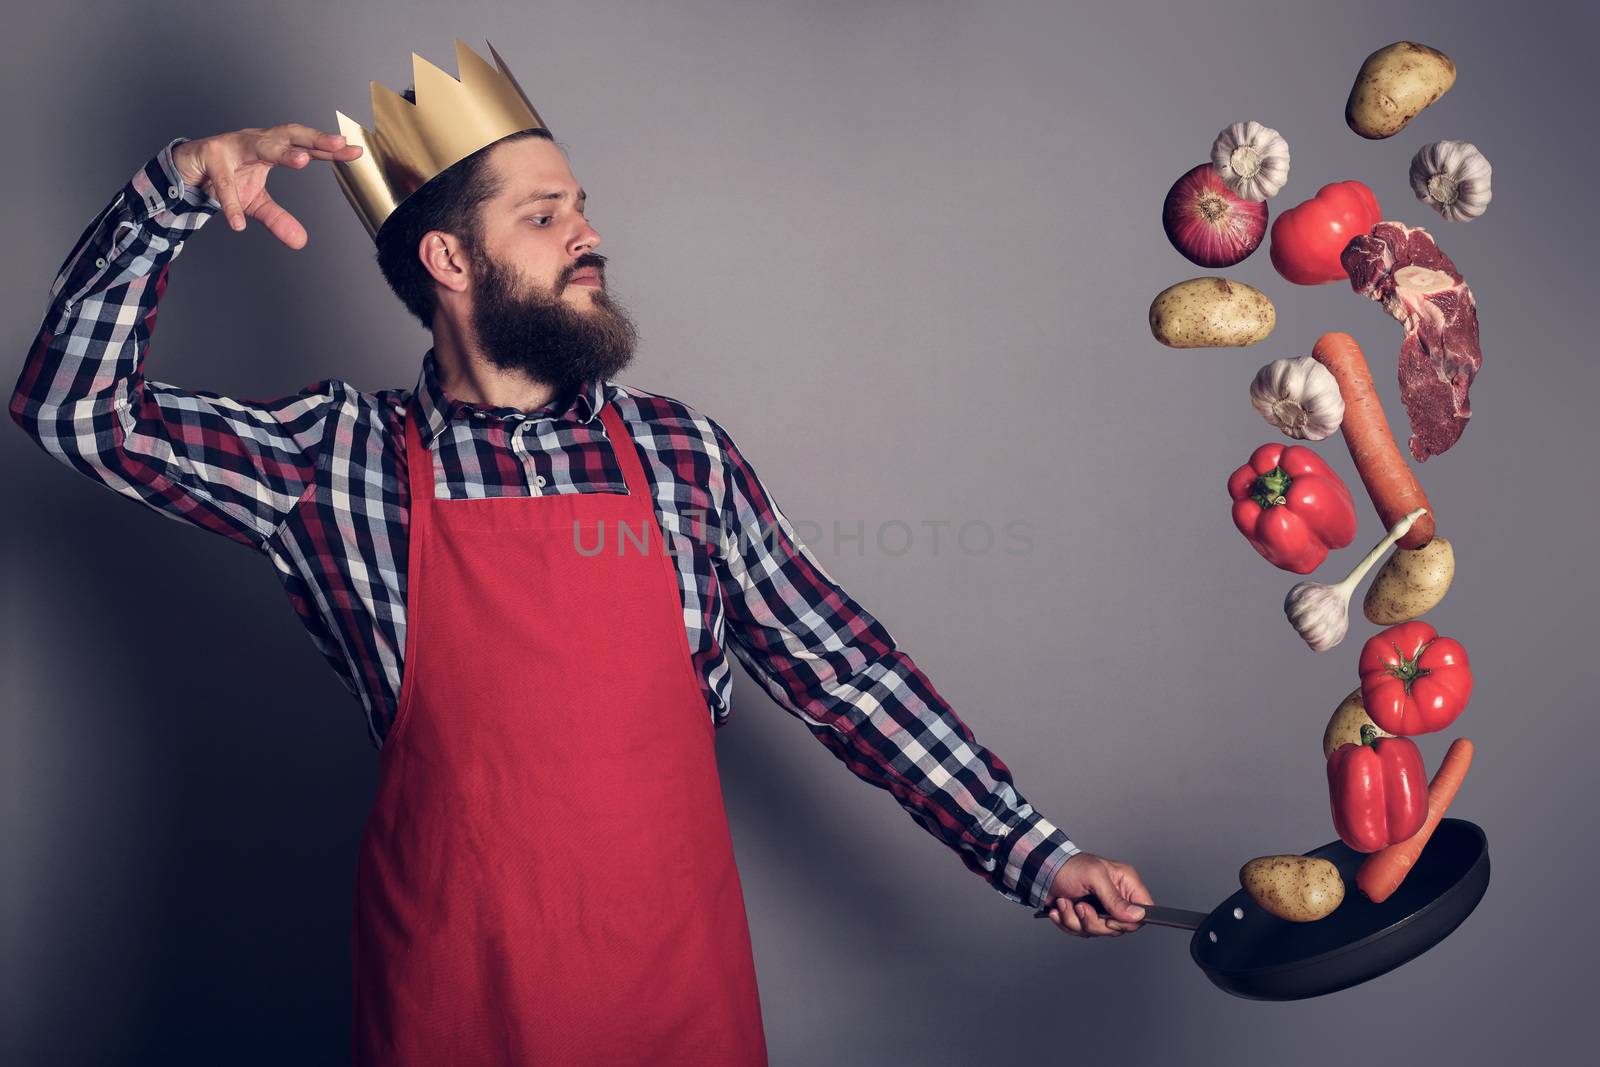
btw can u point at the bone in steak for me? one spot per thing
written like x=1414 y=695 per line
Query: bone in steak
x=1401 y=268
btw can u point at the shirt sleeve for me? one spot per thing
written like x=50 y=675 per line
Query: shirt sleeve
x=234 y=467
x=824 y=659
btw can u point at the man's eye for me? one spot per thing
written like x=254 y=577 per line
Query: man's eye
x=536 y=220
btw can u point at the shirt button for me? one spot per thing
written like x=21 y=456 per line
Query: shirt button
x=100 y=261
x=477 y=414
x=172 y=191
x=539 y=481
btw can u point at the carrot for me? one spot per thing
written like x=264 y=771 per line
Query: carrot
x=1390 y=482
x=1382 y=872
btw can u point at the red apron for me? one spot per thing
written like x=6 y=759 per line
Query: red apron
x=546 y=875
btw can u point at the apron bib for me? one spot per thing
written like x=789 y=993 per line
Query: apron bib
x=546 y=874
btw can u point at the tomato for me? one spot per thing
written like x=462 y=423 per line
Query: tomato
x=1307 y=239
x=1412 y=680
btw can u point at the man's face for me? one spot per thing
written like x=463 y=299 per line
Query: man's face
x=539 y=303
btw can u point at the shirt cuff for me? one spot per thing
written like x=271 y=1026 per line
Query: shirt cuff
x=143 y=226
x=160 y=187
x=1037 y=851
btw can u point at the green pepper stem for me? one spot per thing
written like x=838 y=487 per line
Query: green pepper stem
x=1270 y=487
x=1369 y=734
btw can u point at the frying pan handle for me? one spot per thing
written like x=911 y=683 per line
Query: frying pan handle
x=1156 y=915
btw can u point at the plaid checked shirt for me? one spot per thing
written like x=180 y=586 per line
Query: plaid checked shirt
x=316 y=482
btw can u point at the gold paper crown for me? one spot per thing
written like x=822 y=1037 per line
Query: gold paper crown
x=411 y=143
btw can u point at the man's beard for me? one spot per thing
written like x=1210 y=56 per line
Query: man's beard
x=542 y=335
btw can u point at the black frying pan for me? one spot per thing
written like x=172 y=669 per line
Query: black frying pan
x=1251 y=953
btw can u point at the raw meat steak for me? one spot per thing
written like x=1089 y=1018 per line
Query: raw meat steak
x=1401 y=268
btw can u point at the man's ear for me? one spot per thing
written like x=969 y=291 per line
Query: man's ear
x=445 y=258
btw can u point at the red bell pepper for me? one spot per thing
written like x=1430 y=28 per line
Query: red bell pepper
x=1307 y=239
x=1412 y=680
x=1378 y=790
x=1291 y=507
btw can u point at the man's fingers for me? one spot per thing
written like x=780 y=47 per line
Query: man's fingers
x=319 y=143
x=284 y=226
x=222 y=158
x=344 y=154
x=1132 y=888
x=219 y=166
x=1110 y=892
x=1095 y=923
x=287 y=152
x=1104 y=887
x=1127 y=878
x=307 y=136
x=1064 y=917
x=276 y=150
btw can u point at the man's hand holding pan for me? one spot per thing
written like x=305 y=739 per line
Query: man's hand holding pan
x=233 y=168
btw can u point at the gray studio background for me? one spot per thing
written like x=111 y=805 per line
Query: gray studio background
x=903 y=252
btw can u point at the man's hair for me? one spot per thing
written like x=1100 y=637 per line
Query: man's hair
x=450 y=201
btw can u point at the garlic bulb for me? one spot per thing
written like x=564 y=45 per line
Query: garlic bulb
x=1299 y=396
x=1321 y=613
x=1452 y=177
x=1251 y=159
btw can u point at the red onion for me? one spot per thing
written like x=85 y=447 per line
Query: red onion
x=1209 y=224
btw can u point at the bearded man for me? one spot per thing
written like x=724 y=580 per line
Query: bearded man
x=546 y=874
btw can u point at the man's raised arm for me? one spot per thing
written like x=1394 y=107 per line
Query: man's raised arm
x=233 y=467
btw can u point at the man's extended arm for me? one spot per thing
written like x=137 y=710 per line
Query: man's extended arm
x=228 y=466
x=823 y=658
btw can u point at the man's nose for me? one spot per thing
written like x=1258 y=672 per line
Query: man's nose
x=585 y=239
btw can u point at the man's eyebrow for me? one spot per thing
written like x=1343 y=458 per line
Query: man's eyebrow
x=554 y=195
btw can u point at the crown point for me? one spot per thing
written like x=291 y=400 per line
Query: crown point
x=448 y=118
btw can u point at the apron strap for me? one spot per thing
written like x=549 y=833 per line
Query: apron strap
x=627 y=455
x=419 y=465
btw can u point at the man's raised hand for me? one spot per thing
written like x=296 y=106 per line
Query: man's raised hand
x=233 y=168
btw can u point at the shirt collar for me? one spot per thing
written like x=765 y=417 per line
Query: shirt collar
x=438 y=408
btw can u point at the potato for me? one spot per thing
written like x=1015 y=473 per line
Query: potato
x=1300 y=889
x=1410 y=583
x=1211 y=313
x=1394 y=85
x=1344 y=727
